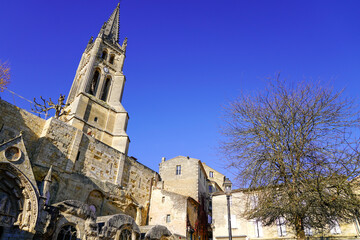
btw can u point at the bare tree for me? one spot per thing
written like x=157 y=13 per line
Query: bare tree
x=46 y=106
x=293 y=147
x=4 y=75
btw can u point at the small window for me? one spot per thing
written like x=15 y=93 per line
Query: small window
x=112 y=57
x=335 y=227
x=178 y=170
x=258 y=229
x=95 y=119
x=104 y=55
x=163 y=199
x=168 y=218
x=280 y=222
x=210 y=189
x=211 y=174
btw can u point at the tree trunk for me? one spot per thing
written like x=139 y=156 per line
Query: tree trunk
x=300 y=233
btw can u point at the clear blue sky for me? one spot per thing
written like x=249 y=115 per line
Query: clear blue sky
x=185 y=59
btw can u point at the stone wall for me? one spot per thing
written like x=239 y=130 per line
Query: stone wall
x=84 y=168
x=185 y=183
x=13 y=120
x=216 y=176
x=139 y=179
x=165 y=203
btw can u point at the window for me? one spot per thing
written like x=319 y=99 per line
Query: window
x=280 y=222
x=168 y=218
x=178 y=170
x=308 y=231
x=67 y=232
x=335 y=227
x=105 y=91
x=211 y=174
x=125 y=235
x=210 y=189
x=104 y=55
x=112 y=57
x=163 y=199
x=94 y=83
x=258 y=229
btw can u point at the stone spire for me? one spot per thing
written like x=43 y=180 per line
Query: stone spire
x=46 y=186
x=110 y=29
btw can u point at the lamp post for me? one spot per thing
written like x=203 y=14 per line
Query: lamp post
x=227 y=186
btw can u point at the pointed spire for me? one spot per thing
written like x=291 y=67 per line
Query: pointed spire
x=112 y=26
x=46 y=186
x=48 y=175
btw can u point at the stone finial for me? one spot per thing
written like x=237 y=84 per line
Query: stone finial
x=48 y=175
x=163 y=159
x=46 y=187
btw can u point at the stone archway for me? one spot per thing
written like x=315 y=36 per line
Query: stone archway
x=96 y=199
x=18 y=199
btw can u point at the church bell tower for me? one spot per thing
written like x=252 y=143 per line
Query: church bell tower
x=95 y=95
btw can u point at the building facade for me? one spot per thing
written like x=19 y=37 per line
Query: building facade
x=253 y=229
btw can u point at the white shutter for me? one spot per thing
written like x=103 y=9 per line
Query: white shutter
x=233 y=221
x=258 y=228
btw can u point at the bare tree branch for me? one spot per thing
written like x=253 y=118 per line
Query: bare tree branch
x=297 y=144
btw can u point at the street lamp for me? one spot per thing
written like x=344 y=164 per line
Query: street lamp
x=227 y=186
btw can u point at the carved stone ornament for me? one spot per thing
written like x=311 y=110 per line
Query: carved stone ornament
x=24 y=213
x=12 y=153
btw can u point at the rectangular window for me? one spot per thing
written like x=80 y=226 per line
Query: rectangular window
x=280 y=222
x=168 y=218
x=163 y=199
x=211 y=174
x=178 y=169
x=210 y=189
x=258 y=229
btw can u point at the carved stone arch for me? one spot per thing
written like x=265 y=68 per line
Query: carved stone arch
x=96 y=198
x=18 y=199
x=119 y=222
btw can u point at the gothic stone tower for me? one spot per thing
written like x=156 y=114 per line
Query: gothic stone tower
x=95 y=96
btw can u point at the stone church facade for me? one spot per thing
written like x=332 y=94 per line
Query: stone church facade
x=71 y=178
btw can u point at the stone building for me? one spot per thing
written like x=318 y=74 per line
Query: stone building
x=253 y=229
x=181 y=201
x=71 y=178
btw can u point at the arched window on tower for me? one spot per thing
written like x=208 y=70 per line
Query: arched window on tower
x=112 y=57
x=94 y=83
x=104 y=55
x=106 y=88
